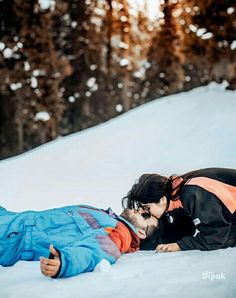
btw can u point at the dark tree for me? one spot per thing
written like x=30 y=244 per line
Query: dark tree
x=166 y=75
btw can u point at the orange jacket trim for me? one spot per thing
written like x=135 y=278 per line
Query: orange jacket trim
x=175 y=204
x=124 y=239
x=225 y=192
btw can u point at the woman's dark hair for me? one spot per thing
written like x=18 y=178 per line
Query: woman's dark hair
x=150 y=188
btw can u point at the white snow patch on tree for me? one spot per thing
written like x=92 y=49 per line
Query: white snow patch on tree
x=123 y=45
x=38 y=72
x=162 y=75
x=201 y=31
x=74 y=24
x=91 y=83
x=42 y=116
x=26 y=66
x=96 y=21
x=46 y=4
x=193 y=28
x=7 y=53
x=230 y=10
x=233 y=45
x=124 y=62
x=99 y=11
x=34 y=82
x=140 y=73
x=15 y=86
x=119 y=108
x=115 y=40
x=123 y=19
x=71 y=99
x=2 y=46
x=207 y=35
x=19 y=45
x=120 y=85
x=93 y=66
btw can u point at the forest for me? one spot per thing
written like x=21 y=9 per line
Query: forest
x=69 y=65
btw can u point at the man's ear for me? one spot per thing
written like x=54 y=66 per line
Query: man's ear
x=141 y=234
x=163 y=201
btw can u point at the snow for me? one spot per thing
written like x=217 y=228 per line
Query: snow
x=230 y=10
x=96 y=21
x=207 y=35
x=119 y=108
x=42 y=116
x=38 y=72
x=15 y=86
x=7 y=53
x=187 y=78
x=124 y=62
x=91 y=83
x=201 y=31
x=153 y=8
x=93 y=67
x=2 y=46
x=74 y=24
x=123 y=45
x=162 y=75
x=26 y=66
x=193 y=28
x=20 y=45
x=71 y=99
x=233 y=45
x=97 y=166
x=46 y=4
x=100 y=11
x=34 y=82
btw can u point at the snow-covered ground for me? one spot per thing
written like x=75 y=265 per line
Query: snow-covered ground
x=97 y=166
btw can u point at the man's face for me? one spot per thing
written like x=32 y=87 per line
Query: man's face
x=141 y=220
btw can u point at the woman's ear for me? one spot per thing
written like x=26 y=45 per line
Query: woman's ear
x=141 y=234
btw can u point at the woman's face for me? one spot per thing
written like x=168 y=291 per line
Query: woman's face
x=156 y=209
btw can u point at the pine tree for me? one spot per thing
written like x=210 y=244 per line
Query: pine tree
x=166 y=75
x=33 y=74
x=208 y=33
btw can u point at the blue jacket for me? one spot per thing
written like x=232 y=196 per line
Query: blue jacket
x=79 y=233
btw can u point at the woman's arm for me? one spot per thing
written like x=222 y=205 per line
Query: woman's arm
x=214 y=225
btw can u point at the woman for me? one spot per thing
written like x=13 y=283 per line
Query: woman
x=207 y=195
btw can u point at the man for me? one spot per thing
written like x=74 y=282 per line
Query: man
x=79 y=237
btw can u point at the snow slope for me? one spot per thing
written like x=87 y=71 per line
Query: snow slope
x=97 y=166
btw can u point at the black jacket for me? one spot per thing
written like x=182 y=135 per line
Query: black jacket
x=209 y=197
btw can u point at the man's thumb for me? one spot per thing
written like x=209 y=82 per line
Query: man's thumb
x=53 y=251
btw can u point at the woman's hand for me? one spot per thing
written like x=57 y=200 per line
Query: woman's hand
x=50 y=267
x=170 y=247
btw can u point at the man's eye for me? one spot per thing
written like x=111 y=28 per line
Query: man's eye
x=146 y=215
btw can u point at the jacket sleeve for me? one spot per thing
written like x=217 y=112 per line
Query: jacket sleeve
x=84 y=255
x=213 y=229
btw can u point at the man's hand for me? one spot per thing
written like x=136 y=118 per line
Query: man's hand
x=170 y=247
x=50 y=267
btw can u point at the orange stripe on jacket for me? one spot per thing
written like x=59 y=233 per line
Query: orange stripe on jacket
x=175 y=204
x=225 y=192
x=124 y=239
x=175 y=184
